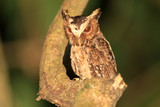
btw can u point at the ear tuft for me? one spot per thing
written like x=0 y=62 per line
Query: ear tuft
x=65 y=14
x=96 y=14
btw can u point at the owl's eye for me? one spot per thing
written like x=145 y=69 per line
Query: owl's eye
x=69 y=30
x=87 y=29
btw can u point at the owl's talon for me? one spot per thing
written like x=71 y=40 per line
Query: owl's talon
x=76 y=79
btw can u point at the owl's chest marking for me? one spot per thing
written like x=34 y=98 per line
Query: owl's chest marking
x=80 y=62
x=94 y=59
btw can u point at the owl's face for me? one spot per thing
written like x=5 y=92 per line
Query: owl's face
x=79 y=28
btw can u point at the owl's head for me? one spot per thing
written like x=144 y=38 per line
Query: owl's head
x=81 y=25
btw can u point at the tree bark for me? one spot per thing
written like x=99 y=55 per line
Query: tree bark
x=56 y=87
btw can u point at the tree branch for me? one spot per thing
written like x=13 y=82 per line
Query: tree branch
x=5 y=89
x=55 y=85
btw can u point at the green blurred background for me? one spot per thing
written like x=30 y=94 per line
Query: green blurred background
x=131 y=26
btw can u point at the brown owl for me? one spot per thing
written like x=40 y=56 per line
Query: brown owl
x=91 y=54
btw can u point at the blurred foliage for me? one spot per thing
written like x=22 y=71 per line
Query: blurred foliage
x=131 y=26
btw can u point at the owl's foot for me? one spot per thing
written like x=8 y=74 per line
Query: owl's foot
x=76 y=79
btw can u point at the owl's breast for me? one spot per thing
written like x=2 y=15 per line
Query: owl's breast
x=93 y=60
x=79 y=62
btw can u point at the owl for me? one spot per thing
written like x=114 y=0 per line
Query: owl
x=91 y=54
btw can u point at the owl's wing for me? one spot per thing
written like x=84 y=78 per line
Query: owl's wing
x=102 y=59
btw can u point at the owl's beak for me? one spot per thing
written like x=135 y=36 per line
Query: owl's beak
x=77 y=33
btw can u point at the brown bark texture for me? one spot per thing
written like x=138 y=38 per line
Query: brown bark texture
x=56 y=87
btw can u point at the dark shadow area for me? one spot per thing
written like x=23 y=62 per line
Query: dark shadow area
x=67 y=63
